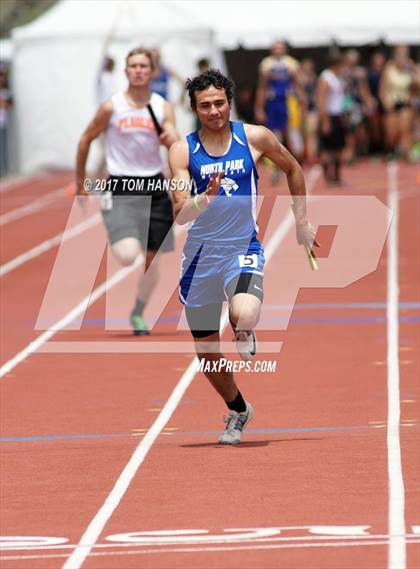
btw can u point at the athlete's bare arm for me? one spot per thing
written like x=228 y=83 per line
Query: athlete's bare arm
x=383 y=89
x=185 y=207
x=169 y=134
x=94 y=129
x=321 y=103
x=299 y=90
x=264 y=143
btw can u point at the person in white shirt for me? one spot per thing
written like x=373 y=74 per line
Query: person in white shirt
x=330 y=104
x=134 y=163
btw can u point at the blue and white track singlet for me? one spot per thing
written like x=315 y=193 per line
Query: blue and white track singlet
x=231 y=217
x=222 y=241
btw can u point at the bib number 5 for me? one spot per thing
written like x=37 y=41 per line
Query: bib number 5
x=249 y=261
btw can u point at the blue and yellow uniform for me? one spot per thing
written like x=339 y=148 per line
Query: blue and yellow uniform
x=222 y=241
x=279 y=73
x=160 y=83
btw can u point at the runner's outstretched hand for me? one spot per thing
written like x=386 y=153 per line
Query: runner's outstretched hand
x=214 y=184
x=305 y=234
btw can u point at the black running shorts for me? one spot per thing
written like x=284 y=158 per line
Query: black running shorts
x=146 y=216
x=336 y=138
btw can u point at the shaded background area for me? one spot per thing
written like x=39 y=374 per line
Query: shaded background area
x=52 y=49
x=20 y=12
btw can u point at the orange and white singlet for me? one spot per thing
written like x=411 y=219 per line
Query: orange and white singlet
x=132 y=143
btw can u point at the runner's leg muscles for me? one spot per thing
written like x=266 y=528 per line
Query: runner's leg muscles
x=126 y=250
x=150 y=277
x=244 y=311
x=208 y=349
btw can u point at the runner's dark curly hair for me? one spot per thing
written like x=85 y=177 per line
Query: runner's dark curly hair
x=206 y=80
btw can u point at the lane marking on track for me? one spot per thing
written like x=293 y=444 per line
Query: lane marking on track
x=79 y=309
x=94 y=529
x=396 y=499
x=49 y=244
x=148 y=347
x=32 y=207
x=70 y=316
x=266 y=431
x=254 y=547
x=199 y=537
x=29 y=542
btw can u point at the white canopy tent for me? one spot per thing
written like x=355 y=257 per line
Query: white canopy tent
x=308 y=23
x=57 y=58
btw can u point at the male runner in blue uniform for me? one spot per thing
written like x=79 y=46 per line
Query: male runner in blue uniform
x=279 y=97
x=222 y=255
x=277 y=81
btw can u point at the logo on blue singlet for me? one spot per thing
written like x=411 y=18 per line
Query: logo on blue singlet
x=231 y=167
x=229 y=186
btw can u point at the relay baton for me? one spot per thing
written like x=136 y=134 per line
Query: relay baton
x=158 y=128
x=312 y=259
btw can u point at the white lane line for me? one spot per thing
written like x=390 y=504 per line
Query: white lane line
x=396 y=498
x=210 y=549
x=49 y=244
x=94 y=529
x=32 y=207
x=70 y=316
x=201 y=538
x=75 y=312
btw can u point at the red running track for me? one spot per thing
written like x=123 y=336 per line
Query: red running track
x=308 y=487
